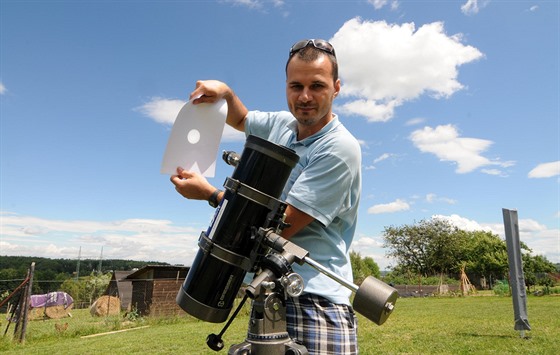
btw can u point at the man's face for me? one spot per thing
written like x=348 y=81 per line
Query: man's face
x=310 y=91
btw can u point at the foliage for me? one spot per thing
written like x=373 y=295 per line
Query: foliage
x=363 y=267
x=486 y=255
x=88 y=289
x=536 y=269
x=396 y=278
x=50 y=274
x=435 y=246
x=427 y=248
x=133 y=315
x=501 y=288
x=69 y=266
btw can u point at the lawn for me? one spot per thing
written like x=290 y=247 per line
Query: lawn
x=432 y=325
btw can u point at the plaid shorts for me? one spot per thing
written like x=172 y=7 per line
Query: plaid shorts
x=322 y=326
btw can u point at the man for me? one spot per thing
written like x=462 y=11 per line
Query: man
x=322 y=193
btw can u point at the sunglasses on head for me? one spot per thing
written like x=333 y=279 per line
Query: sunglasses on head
x=317 y=43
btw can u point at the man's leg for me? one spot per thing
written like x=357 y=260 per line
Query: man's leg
x=322 y=326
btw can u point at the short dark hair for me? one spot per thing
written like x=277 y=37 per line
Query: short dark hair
x=310 y=54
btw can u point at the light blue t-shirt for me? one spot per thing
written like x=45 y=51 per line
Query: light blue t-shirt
x=326 y=185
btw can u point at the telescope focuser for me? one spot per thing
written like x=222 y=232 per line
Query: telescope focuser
x=231 y=158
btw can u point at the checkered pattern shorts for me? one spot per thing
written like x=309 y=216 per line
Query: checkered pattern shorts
x=321 y=326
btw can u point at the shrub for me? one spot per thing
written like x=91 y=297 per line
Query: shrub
x=501 y=288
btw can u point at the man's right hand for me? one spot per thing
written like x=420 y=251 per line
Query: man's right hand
x=210 y=91
x=192 y=185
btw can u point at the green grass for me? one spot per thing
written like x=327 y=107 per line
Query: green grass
x=459 y=325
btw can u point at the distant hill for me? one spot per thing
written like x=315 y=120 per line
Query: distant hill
x=70 y=266
x=50 y=273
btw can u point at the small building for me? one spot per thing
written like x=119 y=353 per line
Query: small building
x=155 y=288
x=120 y=287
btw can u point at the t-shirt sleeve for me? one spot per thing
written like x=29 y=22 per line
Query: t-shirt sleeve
x=259 y=123
x=322 y=189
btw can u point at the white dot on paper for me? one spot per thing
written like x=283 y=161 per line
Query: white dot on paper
x=194 y=136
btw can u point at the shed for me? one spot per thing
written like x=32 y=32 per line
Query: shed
x=121 y=287
x=155 y=288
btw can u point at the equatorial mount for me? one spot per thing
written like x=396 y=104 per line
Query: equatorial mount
x=276 y=281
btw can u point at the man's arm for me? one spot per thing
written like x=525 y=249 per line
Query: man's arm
x=192 y=185
x=297 y=221
x=212 y=91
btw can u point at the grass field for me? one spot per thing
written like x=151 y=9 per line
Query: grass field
x=433 y=325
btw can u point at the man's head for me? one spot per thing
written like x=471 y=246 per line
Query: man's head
x=309 y=49
x=311 y=85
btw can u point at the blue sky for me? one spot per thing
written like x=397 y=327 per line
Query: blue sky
x=456 y=105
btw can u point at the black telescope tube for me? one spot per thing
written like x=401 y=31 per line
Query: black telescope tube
x=227 y=247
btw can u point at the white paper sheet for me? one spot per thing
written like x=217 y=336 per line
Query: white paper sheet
x=195 y=139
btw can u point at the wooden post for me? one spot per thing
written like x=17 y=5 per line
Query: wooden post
x=27 y=298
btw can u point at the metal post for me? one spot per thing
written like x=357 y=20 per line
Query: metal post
x=517 y=279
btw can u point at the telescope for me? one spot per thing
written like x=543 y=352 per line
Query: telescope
x=245 y=236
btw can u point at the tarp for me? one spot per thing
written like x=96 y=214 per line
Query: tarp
x=51 y=299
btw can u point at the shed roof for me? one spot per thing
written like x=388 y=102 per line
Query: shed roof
x=150 y=272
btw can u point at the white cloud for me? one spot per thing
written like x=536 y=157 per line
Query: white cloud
x=136 y=239
x=415 y=121
x=464 y=223
x=392 y=207
x=546 y=170
x=252 y=4
x=496 y=172
x=2 y=89
x=432 y=198
x=472 y=7
x=363 y=143
x=384 y=65
x=378 y=4
x=372 y=247
x=534 y=8
x=538 y=237
x=165 y=111
x=445 y=143
x=162 y=110
x=382 y=157
x=370 y=109
x=256 y=4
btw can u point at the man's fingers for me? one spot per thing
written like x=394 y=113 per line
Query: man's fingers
x=185 y=174
x=175 y=179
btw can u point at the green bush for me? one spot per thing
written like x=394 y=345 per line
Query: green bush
x=501 y=288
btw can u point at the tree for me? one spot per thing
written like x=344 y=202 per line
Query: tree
x=486 y=255
x=536 y=269
x=430 y=247
x=435 y=246
x=363 y=267
x=87 y=289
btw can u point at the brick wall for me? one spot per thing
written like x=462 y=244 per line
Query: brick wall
x=163 y=298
